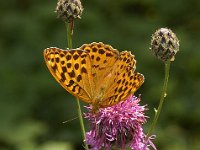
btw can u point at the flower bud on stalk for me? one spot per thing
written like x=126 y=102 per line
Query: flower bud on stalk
x=68 y=10
x=164 y=44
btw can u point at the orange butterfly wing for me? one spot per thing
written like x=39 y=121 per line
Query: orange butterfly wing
x=95 y=73
x=71 y=69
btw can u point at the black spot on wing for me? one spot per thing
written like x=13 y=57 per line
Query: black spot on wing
x=83 y=70
x=69 y=65
x=83 y=61
x=57 y=60
x=72 y=74
x=68 y=57
x=79 y=78
x=94 y=49
x=101 y=51
x=76 y=56
x=98 y=58
x=71 y=82
x=76 y=66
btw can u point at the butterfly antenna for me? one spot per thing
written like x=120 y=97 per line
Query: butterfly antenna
x=67 y=121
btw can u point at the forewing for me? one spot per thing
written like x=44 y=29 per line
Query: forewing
x=72 y=69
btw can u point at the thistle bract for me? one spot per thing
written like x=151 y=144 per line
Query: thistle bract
x=164 y=44
x=68 y=10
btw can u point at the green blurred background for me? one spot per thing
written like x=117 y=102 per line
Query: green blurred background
x=33 y=105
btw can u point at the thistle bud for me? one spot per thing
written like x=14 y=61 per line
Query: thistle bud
x=164 y=44
x=68 y=10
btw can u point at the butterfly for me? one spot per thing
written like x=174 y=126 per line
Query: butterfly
x=96 y=73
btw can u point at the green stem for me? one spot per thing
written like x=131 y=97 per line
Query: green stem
x=81 y=122
x=70 y=27
x=163 y=95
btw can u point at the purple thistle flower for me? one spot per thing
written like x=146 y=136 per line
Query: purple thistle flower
x=118 y=126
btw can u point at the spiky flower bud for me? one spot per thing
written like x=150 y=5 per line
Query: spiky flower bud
x=164 y=44
x=68 y=10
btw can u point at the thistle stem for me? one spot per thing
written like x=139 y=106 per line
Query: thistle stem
x=163 y=95
x=70 y=27
x=81 y=123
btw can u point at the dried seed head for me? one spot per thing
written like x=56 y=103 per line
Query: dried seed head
x=164 y=44
x=68 y=10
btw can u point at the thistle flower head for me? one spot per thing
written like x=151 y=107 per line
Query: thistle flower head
x=68 y=10
x=118 y=126
x=164 y=44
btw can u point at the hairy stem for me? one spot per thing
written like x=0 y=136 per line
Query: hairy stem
x=70 y=27
x=163 y=95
